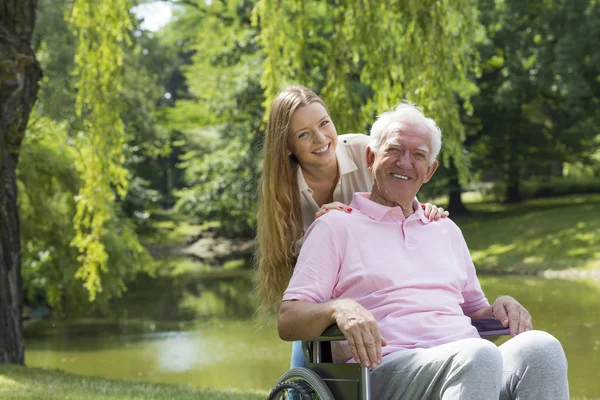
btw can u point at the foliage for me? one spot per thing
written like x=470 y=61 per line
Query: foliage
x=55 y=48
x=98 y=61
x=364 y=57
x=54 y=167
x=224 y=186
x=537 y=104
x=221 y=121
x=48 y=181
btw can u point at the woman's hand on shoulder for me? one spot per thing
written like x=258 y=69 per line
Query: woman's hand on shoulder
x=336 y=205
x=434 y=212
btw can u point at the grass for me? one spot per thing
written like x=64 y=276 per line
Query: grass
x=17 y=382
x=534 y=236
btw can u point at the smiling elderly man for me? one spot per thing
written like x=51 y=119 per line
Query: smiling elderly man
x=402 y=289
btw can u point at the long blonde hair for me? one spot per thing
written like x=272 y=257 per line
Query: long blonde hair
x=279 y=225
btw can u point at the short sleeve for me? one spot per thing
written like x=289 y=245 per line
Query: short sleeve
x=317 y=268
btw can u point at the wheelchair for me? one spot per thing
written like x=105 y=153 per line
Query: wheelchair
x=325 y=380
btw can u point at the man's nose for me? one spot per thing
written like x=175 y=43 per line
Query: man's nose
x=404 y=159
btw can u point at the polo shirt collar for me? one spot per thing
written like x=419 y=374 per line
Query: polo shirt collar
x=376 y=211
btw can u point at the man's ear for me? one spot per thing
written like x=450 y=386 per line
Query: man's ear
x=370 y=157
x=430 y=171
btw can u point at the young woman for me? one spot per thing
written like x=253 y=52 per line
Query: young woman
x=308 y=170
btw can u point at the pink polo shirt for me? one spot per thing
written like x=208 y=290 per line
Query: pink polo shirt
x=415 y=276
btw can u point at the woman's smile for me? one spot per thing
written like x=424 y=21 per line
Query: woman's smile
x=323 y=150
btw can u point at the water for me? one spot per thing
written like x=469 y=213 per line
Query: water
x=190 y=345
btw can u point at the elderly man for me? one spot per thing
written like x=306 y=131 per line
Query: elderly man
x=402 y=289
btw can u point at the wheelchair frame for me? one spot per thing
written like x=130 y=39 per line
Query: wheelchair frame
x=348 y=381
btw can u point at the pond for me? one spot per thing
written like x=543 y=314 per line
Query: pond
x=203 y=334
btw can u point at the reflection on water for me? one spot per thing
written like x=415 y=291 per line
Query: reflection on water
x=232 y=352
x=181 y=352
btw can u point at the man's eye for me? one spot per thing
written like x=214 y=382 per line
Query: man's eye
x=393 y=150
x=324 y=122
x=420 y=155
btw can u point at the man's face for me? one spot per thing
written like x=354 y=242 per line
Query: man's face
x=401 y=165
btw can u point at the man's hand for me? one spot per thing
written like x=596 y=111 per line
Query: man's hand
x=512 y=315
x=361 y=330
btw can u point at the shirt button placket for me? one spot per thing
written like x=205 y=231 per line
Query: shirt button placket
x=400 y=224
x=407 y=241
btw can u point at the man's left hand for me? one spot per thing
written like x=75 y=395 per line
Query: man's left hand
x=512 y=315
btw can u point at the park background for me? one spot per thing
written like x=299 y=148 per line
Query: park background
x=138 y=172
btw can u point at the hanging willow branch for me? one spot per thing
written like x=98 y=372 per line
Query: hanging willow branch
x=365 y=56
x=101 y=27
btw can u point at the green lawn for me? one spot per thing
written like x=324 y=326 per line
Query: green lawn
x=35 y=383
x=537 y=235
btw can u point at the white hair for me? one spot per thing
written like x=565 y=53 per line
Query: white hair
x=392 y=122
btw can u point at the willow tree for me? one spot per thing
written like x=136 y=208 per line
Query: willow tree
x=101 y=27
x=365 y=56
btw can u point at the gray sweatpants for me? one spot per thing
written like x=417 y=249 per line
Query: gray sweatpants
x=531 y=365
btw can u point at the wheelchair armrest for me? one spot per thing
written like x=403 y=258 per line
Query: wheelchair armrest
x=489 y=326
x=330 y=334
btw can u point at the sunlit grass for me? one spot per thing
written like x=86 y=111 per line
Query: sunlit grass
x=537 y=235
x=36 y=383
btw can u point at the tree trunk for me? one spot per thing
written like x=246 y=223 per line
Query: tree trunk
x=513 y=180
x=455 y=204
x=19 y=76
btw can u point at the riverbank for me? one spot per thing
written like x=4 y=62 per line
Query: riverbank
x=26 y=383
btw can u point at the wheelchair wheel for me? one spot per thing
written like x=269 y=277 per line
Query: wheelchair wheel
x=301 y=384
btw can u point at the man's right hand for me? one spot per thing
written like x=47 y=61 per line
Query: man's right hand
x=360 y=328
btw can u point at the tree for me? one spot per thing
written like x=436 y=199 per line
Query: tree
x=222 y=120
x=19 y=76
x=539 y=90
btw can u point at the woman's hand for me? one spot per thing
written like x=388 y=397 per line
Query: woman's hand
x=433 y=212
x=336 y=205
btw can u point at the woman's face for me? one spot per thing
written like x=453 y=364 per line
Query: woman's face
x=312 y=137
